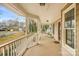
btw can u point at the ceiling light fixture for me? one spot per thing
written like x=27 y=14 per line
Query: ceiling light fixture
x=42 y=4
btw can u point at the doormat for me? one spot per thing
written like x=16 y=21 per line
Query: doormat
x=56 y=42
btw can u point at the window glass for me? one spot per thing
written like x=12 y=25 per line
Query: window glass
x=70 y=37
x=69 y=27
x=69 y=19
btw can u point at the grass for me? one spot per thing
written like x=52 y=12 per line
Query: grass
x=10 y=37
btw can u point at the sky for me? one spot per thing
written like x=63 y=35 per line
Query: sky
x=6 y=14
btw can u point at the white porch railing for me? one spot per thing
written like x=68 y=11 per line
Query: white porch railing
x=18 y=46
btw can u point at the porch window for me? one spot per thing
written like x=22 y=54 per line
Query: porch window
x=69 y=28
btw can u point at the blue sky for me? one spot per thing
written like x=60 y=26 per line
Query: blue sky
x=6 y=14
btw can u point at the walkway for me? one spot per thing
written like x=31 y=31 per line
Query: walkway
x=47 y=47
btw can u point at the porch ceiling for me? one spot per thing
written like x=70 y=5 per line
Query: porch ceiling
x=50 y=12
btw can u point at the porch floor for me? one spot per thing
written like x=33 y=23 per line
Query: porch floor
x=47 y=47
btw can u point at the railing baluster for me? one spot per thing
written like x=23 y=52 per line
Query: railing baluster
x=11 y=49
x=0 y=52
x=3 y=48
x=16 y=48
x=8 y=51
